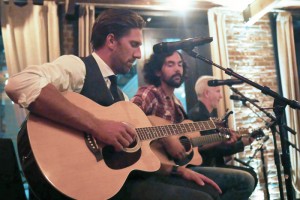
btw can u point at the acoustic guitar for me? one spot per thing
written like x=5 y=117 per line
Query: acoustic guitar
x=190 y=142
x=60 y=162
x=193 y=140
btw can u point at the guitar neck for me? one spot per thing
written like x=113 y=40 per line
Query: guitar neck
x=240 y=133
x=207 y=139
x=156 y=132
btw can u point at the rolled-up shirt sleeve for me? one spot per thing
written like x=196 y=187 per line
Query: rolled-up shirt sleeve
x=66 y=73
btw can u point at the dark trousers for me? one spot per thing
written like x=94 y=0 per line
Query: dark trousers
x=159 y=187
x=233 y=182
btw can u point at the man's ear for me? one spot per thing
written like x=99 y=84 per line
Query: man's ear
x=206 y=93
x=111 y=41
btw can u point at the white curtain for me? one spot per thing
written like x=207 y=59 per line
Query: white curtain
x=290 y=86
x=30 y=36
x=86 y=21
x=219 y=52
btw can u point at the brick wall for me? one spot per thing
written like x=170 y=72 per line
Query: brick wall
x=251 y=54
x=68 y=38
x=68 y=32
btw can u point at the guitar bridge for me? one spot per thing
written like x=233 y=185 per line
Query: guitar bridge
x=91 y=143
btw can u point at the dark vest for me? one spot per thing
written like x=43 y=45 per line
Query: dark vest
x=94 y=86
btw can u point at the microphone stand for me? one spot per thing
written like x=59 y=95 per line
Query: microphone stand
x=262 y=156
x=261 y=149
x=272 y=126
x=279 y=105
x=274 y=131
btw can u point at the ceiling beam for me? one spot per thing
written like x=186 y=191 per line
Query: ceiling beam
x=258 y=9
x=133 y=4
x=145 y=4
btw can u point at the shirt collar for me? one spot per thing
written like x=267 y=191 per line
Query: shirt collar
x=166 y=96
x=104 y=68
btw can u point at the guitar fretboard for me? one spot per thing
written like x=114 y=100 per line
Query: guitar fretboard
x=207 y=139
x=155 y=132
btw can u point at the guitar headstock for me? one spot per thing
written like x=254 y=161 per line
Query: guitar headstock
x=218 y=122
x=224 y=135
x=224 y=132
x=223 y=122
x=243 y=132
x=257 y=134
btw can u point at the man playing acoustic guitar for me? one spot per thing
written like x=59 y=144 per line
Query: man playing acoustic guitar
x=164 y=72
x=116 y=39
x=208 y=100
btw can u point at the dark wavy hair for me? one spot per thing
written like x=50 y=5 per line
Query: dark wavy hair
x=115 y=21
x=155 y=63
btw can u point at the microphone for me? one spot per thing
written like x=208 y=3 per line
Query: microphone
x=239 y=98
x=228 y=82
x=189 y=43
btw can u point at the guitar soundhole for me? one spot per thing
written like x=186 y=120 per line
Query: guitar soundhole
x=188 y=147
x=122 y=159
x=185 y=143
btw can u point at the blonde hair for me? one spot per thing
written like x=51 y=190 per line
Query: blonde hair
x=201 y=85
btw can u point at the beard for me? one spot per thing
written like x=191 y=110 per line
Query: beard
x=124 y=68
x=173 y=83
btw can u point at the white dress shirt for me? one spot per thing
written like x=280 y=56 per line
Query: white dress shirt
x=66 y=73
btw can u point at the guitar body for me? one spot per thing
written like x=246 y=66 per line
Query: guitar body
x=39 y=185
x=68 y=166
x=193 y=156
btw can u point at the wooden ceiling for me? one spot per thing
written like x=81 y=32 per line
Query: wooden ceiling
x=145 y=4
x=196 y=4
x=252 y=9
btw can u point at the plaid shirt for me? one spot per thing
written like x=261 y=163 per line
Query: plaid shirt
x=153 y=101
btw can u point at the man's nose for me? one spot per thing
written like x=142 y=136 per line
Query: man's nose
x=137 y=53
x=178 y=68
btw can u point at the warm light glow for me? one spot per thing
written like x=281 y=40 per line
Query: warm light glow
x=178 y=5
